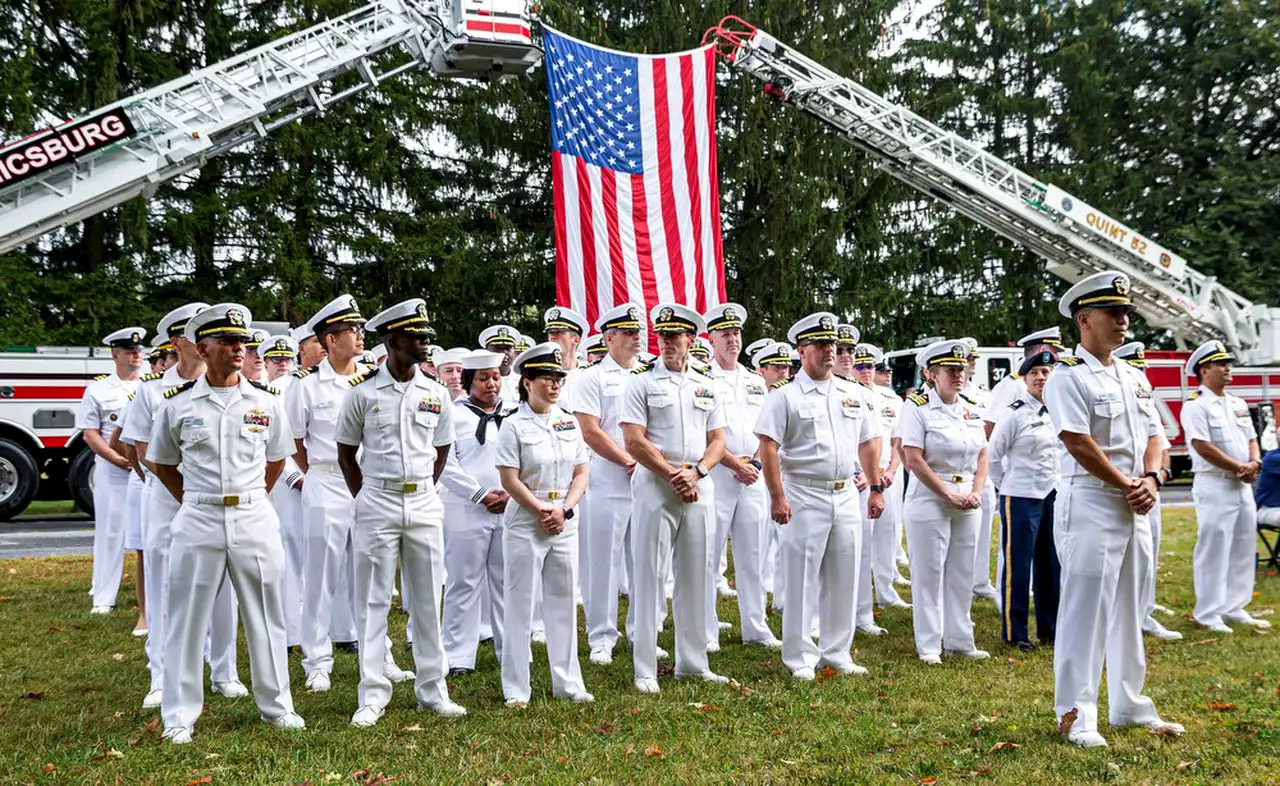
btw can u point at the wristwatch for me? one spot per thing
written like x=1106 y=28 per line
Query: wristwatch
x=755 y=462
x=702 y=471
x=1154 y=476
x=877 y=488
x=568 y=513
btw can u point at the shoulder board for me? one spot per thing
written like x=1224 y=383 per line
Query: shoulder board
x=700 y=367
x=642 y=368
x=302 y=372
x=842 y=376
x=264 y=386
x=1073 y=361
x=131 y=395
x=968 y=399
x=917 y=399
x=780 y=384
x=153 y=376
x=1016 y=375
x=373 y=371
x=1194 y=396
x=100 y=377
x=1018 y=403
x=358 y=378
x=171 y=392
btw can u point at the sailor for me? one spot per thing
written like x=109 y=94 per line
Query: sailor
x=741 y=504
x=1023 y=462
x=673 y=425
x=255 y=367
x=751 y=349
x=313 y=402
x=1134 y=353
x=310 y=349
x=565 y=327
x=231 y=438
x=449 y=369
x=379 y=353
x=884 y=379
x=162 y=355
x=503 y=339
x=701 y=350
x=606 y=510
x=98 y=417
x=1225 y=459
x=978 y=394
x=524 y=342
x=542 y=460
x=879 y=550
x=404 y=424
x=1109 y=480
x=595 y=348
x=278 y=354
x=160 y=509
x=1010 y=388
x=473 y=505
x=773 y=362
x=813 y=433
x=945 y=450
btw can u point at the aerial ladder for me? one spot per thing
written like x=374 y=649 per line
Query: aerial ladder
x=85 y=166
x=1076 y=239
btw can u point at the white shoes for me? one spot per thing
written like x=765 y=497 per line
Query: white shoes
x=153 y=699
x=900 y=580
x=445 y=708
x=318 y=682
x=581 y=697
x=1162 y=726
x=139 y=633
x=713 y=645
x=663 y=654
x=102 y=611
x=872 y=630
x=988 y=592
x=516 y=704
x=601 y=656
x=971 y=654
x=896 y=604
x=538 y=637
x=805 y=674
x=771 y=643
x=180 y=735
x=931 y=660
x=396 y=674
x=231 y=690
x=1086 y=739
x=291 y=721
x=706 y=676
x=1245 y=618
x=1217 y=626
x=725 y=591
x=1154 y=629
x=848 y=669
x=366 y=717
x=647 y=685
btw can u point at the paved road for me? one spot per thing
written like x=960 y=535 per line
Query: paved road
x=74 y=537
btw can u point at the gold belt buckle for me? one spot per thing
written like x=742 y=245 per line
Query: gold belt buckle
x=745 y=459
x=839 y=485
x=409 y=488
x=231 y=500
x=553 y=495
x=957 y=478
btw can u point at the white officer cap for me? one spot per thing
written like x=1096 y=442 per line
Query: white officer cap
x=948 y=352
x=256 y=337
x=340 y=311
x=623 y=317
x=1049 y=336
x=1135 y=352
x=594 y=345
x=725 y=316
x=434 y=351
x=302 y=332
x=819 y=326
x=160 y=343
x=407 y=316
x=795 y=355
x=499 y=335
x=776 y=354
x=174 y=323
x=279 y=347
x=478 y=359
x=756 y=346
x=524 y=342
x=225 y=320
x=564 y=318
x=368 y=358
x=126 y=338
x=1208 y=352
x=701 y=349
x=676 y=318
x=378 y=352
x=454 y=355
x=868 y=353
x=972 y=344
x=1101 y=290
x=547 y=356
x=847 y=335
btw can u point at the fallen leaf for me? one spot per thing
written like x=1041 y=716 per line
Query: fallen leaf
x=605 y=728
x=201 y=781
x=653 y=751
x=1068 y=720
x=697 y=705
x=53 y=629
x=776 y=732
x=13 y=571
x=634 y=711
x=1221 y=706
x=151 y=727
x=1162 y=731
x=50 y=768
x=1003 y=746
x=982 y=771
x=118 y=657
x=1111 y=765
x=1186 y=765
x=33 y=696
x=665 y=669
x=414 y=727
x=108 y=754
x=213 y=755
x=927 y=779
x=827 y=673
x=118 y=714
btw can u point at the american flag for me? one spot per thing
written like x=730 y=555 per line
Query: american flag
x=633 y=163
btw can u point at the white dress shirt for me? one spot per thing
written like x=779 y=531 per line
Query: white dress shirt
x=818 y=426
x=741 y=393
x=599 y=393
x=889 y=406
x=104 y=403
x=1223 y=421
x=1023 y=453
x=313 y=402
x=470 y=473
x=677 y=410
x=545 y=449
x=399 y=425
x=951 y=435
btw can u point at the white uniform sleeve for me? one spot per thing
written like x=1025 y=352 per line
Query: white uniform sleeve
x=1068 y=408
x=911 y=426
x=350 y=426
x=772 y=420
x=634 y=407
x=870 y=427
x=280 y=442
x=1001 y=441
x=295 y=407
x=1252 y=430
x=457 y=480
x=89 y=414
x=444 y=424
x=1002 y=395
x=716 y=417
x=508 y=454
x=140 y=417
x=1195 y=421
x=162 y=442
x=584 y=452
x=586 y=394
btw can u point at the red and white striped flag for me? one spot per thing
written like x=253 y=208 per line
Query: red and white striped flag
x=633 y=163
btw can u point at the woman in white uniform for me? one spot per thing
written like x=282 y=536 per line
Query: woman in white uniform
x=542 y=461
x=944 y=447
x=473 y=505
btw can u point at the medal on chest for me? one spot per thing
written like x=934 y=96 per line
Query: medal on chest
x=257 y=420
x=429 y=404
x=565 y=426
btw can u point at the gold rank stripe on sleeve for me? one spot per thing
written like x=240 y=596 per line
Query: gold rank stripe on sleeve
x=171 y=392
x=917 y=399
x=302 y=372
x=1194 y=396
x=1070 y=361
x=100 y=377
x=265 y=387
x=642 y=368
x=365 y=377
x=966 y=398
x=153 y=376
x=780 y=383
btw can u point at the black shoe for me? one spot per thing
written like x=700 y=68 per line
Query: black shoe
x=458 y=671
x=347 y=646
x=1025 y=646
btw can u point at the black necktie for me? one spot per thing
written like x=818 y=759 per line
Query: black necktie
x=482 y=428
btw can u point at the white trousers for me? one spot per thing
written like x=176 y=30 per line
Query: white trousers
x=941 y=541
x=1105 y=552
x=133 y=515
x=387 y=525
x=473 y=551
x=288 y=506
x=110 y=487
x=884 y=544
x=741 y=513
x=210 y=543
x=982 y=553
x=1226 y=546
x=327 y=512
x=1156 y=517
x=661 y=525
x=821 y=547
x=864 y=597
x=533 y=559
x=603 y=534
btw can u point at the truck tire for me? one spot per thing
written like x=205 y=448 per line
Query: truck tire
x=80 y=480
x=19 y=479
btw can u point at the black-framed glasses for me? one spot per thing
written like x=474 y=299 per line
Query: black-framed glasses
x=844 y=350
x=864 y=366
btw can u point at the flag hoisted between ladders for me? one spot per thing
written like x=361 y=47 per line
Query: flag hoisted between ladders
x=633 y=163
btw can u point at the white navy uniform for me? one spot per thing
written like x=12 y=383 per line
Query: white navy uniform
x=982 y=401
x=886 y=536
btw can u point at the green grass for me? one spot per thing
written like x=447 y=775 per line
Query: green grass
x=70 y=687
x=41 y=507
